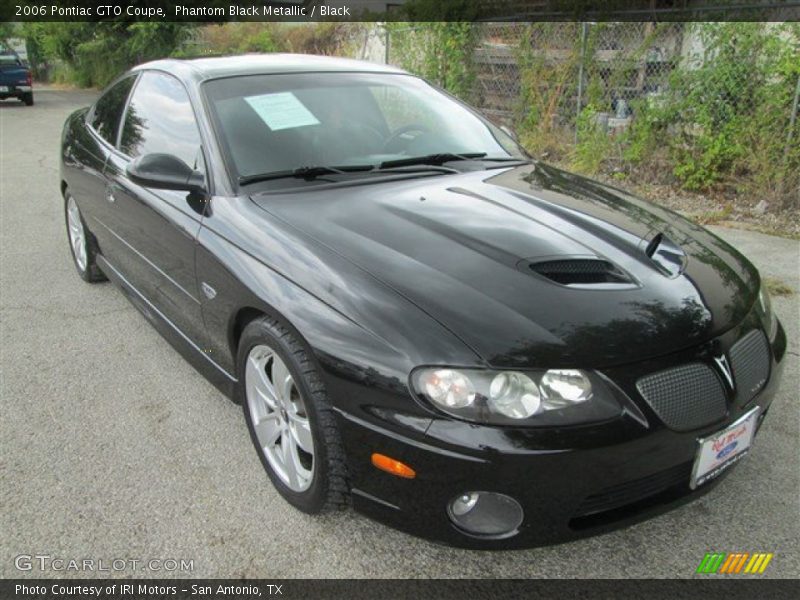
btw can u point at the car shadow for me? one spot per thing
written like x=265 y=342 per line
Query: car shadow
x=11 y=104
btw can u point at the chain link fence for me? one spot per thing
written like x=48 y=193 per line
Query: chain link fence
x=625 y=61
x=699 y=105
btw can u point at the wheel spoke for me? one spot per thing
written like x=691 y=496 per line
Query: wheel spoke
x=282 y=380
x=301 y=431
x=290 y=459
x=268 y=429
x=257 y=377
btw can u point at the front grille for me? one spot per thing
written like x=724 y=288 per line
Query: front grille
x=686 y=397
x=750 y=365
x=631 y=492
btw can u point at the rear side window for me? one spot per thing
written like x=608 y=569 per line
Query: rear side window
x=108 y=110
x=9 y=60
x=160 y=120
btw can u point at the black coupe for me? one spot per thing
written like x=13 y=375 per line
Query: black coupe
x=417 y=317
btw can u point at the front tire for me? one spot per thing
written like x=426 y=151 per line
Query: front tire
x=290 y=419
x=82 y=243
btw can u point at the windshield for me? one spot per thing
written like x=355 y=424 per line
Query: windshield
x=9 y=60
x=288 y=122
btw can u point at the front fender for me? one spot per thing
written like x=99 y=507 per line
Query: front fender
x=359 y=332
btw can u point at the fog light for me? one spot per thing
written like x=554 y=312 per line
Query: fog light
x=463 y=504
x=485 y=513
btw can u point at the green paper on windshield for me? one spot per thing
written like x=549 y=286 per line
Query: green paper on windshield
x=281 y=111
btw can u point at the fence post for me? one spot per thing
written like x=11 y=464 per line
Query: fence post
x=793 y=119
x=386 y=44
x=584 y=35
x=788 y=146
x=790 y=136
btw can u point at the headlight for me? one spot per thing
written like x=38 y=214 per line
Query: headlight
x=449 y=389
x=530 y=398
x=563 y=387
x=765 y=308
x=514 y=395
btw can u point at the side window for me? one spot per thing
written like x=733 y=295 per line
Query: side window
x=108 y=110
x=160 y=120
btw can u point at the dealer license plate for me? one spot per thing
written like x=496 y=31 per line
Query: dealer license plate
x=3 y=88
x=723 y=449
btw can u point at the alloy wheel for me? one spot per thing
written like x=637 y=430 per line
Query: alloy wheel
x=279 y=417
x=77 y=237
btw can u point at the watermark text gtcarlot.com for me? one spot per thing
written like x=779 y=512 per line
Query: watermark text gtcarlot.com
x=47 y=562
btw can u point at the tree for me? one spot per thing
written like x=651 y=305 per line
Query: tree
x=6 y=31
x=94 y=53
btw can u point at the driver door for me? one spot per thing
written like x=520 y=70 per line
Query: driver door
x=158 y=229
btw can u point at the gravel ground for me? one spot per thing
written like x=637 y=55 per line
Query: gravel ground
x=111 y=446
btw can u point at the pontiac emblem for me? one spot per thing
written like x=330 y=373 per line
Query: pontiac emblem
x=725 y=369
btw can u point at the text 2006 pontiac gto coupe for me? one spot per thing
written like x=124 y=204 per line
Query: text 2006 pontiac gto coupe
x=417 y=317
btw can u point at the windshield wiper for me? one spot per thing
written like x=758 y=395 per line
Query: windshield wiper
x=304 y=173
x=415 y=169
x=433 y=162
x=520 y=159
x=431 y=159
x=310 y=173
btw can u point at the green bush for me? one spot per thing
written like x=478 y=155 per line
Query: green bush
x=440 y=46
x=441 y=52
x=595 y=148
x=723 y=110
x=542 y=120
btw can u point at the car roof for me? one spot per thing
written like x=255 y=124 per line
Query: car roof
x=201 y=69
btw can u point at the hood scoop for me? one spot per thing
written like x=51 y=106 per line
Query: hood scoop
x=582 y=272
x=667 y=255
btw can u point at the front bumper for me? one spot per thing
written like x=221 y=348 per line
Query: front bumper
x=571 y=482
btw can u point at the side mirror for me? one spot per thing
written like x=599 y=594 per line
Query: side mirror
x=165 y=172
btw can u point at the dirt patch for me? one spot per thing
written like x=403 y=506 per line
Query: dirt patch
x=718 y=209
x=777 y=287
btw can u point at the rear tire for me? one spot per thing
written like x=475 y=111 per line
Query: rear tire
x=82 y=244
x=290 y=418
x=28 y=99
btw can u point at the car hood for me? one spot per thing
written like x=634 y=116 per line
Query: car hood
x=533 y=266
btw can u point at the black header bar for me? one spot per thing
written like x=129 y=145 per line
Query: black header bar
x=708 y=588
x=409 y=11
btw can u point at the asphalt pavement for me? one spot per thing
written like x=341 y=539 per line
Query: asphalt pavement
x=113 y=447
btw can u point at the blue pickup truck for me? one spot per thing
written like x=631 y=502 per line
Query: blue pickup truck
x=15 y=78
